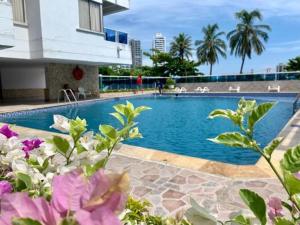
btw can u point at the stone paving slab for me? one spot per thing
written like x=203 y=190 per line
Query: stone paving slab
x=169 y=188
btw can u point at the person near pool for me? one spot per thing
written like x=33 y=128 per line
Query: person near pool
x=159 y=85
x=139 y=83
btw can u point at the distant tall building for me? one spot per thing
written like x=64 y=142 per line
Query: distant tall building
x=280 y=67
x=159 y=42
x=137 y=53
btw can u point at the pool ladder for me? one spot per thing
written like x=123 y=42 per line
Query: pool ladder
x=295 y=105
x=66 y=95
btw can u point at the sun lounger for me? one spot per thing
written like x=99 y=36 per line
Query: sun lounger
x=198 y=89
x=205 y=90
x=232 y=89
x=180 y=90
x=274 y=88
x=202 y=90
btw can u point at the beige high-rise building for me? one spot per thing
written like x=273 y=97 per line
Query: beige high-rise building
x=160 y=42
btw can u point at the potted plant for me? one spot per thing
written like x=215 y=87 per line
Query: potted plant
x=170 y=83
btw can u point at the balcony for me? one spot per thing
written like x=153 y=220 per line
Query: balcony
x=114 y=6
x=116 y=36
x=7 y=38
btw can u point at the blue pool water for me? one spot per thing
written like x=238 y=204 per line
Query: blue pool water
x=177 y=125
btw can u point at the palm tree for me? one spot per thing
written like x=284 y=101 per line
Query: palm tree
x=209 y=49
x=248 y=36
x=181 y=46
x=293 y=64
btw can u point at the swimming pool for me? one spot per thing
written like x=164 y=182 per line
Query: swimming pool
x=175 y=124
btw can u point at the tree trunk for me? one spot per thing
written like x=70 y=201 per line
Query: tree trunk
x=243 y=62
x=210 y=70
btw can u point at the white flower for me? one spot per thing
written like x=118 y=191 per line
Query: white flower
x=61 y=123
x=12 y=155
x=21 y=166
x=88 y=141
x=7 y=145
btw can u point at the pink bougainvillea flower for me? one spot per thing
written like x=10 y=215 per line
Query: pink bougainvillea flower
x=5 y=187
x=91 y=199
x=20 y=205
x=297 y=175
x=275 y=208
x=30 y=145
x=7 y=132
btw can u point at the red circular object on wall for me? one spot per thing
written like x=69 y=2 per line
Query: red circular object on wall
x=78 y=73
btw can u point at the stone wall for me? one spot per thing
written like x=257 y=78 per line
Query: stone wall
x=24 y=94
x=57 y=75
x=251 y=86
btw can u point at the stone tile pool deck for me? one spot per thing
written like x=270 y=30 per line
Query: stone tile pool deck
x=168 y=180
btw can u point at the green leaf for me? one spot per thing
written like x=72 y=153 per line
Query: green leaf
x=291 y=182
x=120 y=108
x=255 y=203
x=268 y=150
x=258 y=113
x=77 y=128
x=130 y=106
x=119 y=117
x=61 y=144
x=108 y=131
x=89 y=170
x=283 y=221
x=198 y=215
x=291 y=160
x=240 y=219
x=134 y=133
x=25 y=221
x=296 y=199
x=25 y=179
x=246 y=106
x=80 y=148
x=233 y=139
x=227 y=114
x=140 y=109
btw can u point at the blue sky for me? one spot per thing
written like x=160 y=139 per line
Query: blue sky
x=170 y=17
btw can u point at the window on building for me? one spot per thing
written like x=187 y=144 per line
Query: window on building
x=90 y=15
x=19 y=11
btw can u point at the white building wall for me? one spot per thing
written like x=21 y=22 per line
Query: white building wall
x=53 y=35
x=6 y=25
x=23 y=78
x=63 y=39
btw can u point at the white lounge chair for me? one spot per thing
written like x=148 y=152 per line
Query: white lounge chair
x=180 y=90
x=183 y=89
x=202 y=90
x=232 y=89
x=198 y=89
x=177 y=90
x=83 y=93
x=205 y=90
x=274 y=88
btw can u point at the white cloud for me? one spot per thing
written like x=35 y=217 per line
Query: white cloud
x=284 y=47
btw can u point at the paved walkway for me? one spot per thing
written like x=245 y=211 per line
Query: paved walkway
x=169 y=188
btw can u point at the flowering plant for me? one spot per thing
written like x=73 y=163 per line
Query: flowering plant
x=61 y=180
x=246 y=116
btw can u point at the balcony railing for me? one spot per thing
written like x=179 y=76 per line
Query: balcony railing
x=116 y=36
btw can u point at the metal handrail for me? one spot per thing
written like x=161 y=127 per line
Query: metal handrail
x=66 y=96
x=295 y=104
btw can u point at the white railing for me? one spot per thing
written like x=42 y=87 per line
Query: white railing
x=66 y=95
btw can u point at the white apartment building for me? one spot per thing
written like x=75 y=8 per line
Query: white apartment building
x=48 y=44
x=137 y=53
x=160 y=42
